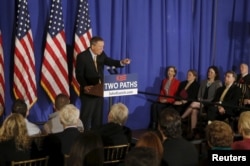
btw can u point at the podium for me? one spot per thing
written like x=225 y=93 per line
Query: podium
x=96 y=90
x=115 y=85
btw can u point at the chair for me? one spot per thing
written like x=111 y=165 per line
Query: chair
x=66 y=157
x=38 y=140
x=115 y=154
x=32 y=162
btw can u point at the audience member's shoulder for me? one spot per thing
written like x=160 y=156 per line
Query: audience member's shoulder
x=54 y=115
x=32 y=128
x=126 y=128
x=218 y=82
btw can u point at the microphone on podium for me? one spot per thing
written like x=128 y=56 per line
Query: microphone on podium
x=112 y=70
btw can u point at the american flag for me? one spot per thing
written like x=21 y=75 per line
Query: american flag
x=54 y=76
x=83 y=34
x=24 y=62
x=2 y=80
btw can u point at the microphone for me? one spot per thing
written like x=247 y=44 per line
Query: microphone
x=112 y=70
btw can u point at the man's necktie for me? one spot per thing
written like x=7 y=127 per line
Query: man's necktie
x=224 y=93
x=96 y=67
x=95 y=62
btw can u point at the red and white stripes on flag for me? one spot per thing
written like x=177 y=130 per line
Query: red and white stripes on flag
x=24 y=62
x=83 y=34
x=54 y=76
x=2 y=80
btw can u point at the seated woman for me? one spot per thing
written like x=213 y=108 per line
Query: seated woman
x=187 y=91
x=244 y=130
x=169 y=88
x=206 y=93
x=14 y=140
x=115 y=132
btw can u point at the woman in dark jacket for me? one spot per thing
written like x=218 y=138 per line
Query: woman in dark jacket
x=186 y=92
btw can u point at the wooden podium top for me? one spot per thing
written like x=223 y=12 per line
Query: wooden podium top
x=97 y=90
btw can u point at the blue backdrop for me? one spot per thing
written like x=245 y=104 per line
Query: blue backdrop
x=153 y=33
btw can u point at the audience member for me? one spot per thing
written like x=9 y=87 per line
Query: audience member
x=1 y=110
x=206 y=93
x=226 y=98
x=219 y=135
x=244 y=130
x=174 y=145
x=14 y=140
x=142 y=156
x=114 y=132
x=169 y=87
x=243 y=81
x=19 y=106
x=58 y=144
x=187 y=91
x=87 y=150
x=53 y=125
x=151 y=139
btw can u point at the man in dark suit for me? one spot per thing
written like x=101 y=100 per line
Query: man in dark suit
x=89 y=72
x=176 y=150
x=227 y=97
x=243 y=81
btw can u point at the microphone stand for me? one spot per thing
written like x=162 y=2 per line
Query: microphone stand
x=112 y=71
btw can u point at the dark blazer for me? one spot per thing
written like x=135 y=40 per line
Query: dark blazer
x=67 y=138
x=243 y=80
x=192 y=90
x=58 y=144
x=231 y=98
x=244 y=84
x=190 y=94
x=172 y=89
x=8 y=152
x=179 y=152
x=86 y=73
x=114 y=134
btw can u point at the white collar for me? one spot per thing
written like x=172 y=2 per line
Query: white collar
x=93 y=55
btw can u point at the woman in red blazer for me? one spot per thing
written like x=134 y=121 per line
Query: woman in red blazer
x=168 y=90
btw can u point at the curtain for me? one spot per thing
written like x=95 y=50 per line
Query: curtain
x=152 y=33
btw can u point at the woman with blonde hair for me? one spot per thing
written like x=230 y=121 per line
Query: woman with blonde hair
x=14 y=140
x=244 y=130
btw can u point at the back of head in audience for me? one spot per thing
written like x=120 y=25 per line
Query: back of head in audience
x=118 y=114
x=219 y=134
x=1 y=110
x=14 y=127
x=19 y=106
x=244 y=124
x=151 y=140
x=170 y=123
x=142 y=156
x=69 y=115
x=87 y=150
x=60 y=101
